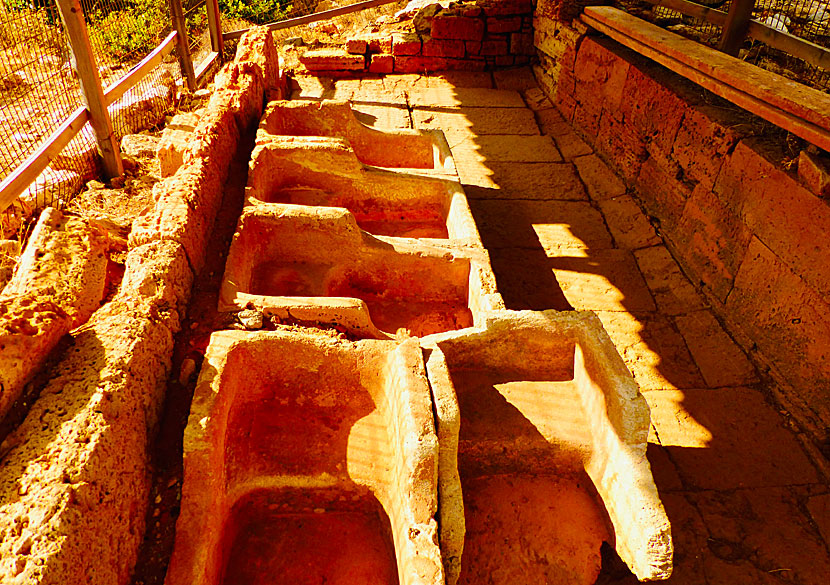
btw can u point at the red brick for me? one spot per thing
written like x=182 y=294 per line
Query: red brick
x=789 y=219
x=443 y=48
x=702 y=143
x=621 y=145
x=406 y=44
x=521 y=44
x=473 y=47
x=380 y=44
x=505 y=60
x=711 y=240
x=382 y=64
x=411 y=64
x=814 y=172
x=652 y=108
x=504 y=25
x=332 y=60
x=506 y=7
x=787 y=320
x=457 y=28
x=356 y=46
x=494 y=47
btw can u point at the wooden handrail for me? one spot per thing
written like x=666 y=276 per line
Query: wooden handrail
x=137 y=73
x=324 y=15
x=810 y=52
x=795 y=107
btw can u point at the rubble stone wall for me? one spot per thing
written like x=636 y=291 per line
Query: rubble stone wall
x=745 y=226
x=74 y=481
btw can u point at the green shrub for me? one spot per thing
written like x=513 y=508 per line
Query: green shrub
x=256 y=11
x=137 y=29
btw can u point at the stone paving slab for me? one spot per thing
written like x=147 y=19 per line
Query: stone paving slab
x=602 y=280
x=601 y=181
x=394 y=117
x=518 y=79
x=477 y=121
x=653 y=350
x=628 y=224
x=506 y=148
x=470 y=97
x=541 y=181
x=716 y=452
x=721 y=361
x=547 y=225
x=673 y=292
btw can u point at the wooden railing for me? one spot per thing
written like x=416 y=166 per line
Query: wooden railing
x=737 y=25
x=97 y=99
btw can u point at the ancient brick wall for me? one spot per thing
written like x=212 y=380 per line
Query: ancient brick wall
x=722 y=187
x=470 y=36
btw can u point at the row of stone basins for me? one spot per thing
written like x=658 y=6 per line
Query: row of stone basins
x=387 y=420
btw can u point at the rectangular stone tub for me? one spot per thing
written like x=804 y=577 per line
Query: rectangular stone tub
x=537 y=414
x=416 y=149
x=325 y=171
x=314 y=266
x=308 y=459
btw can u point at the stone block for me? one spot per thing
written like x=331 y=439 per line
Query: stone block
x=382 y=63
x=504 y=25
x=712 y=240
x=457 y=28
x=139 y=145
x=355 y=472
x=672 y=291
x=574 y=410
x=702 y=144
x=357 y=46
x=601 y=72
x=506 y=7
x=627 y=223
x=522 y=44
x=443 y=48
x=653 y=110
x=495 y=47
x=720 y=360
x=663 y=196
x=814 y=172
x=406 y=44
x=174 y=141
x=788 y=218
x=789 y=322
x=472 y=47
x=601 y=181
x=257 y=47
x=304 y=264
x=332 y=60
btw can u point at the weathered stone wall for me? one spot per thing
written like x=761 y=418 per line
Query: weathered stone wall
x=473 y=36
x=74 y=482
x=748 y=229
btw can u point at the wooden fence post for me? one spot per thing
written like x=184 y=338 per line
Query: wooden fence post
x=736 y=25
x=180 y=26
x=73 y=21
x=215 y=25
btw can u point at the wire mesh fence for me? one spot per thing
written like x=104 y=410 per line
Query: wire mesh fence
x=806 y=19
x=39 y=87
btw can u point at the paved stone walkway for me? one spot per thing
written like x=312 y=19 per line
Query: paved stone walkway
x=746 y=504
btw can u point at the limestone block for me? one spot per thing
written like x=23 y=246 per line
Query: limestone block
x=406 y=44
x=814 y=171
x=324 y=171
x=349 y=452
x=59 y=281
x=314 y=266
x=400 y=148
x=523 y=403
x=457 y=27
x=76 y=468
x=139 y=145
x=257 y=46
x=357 y=46
x=382 y=64
x=174 y=141
x=332 y=60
